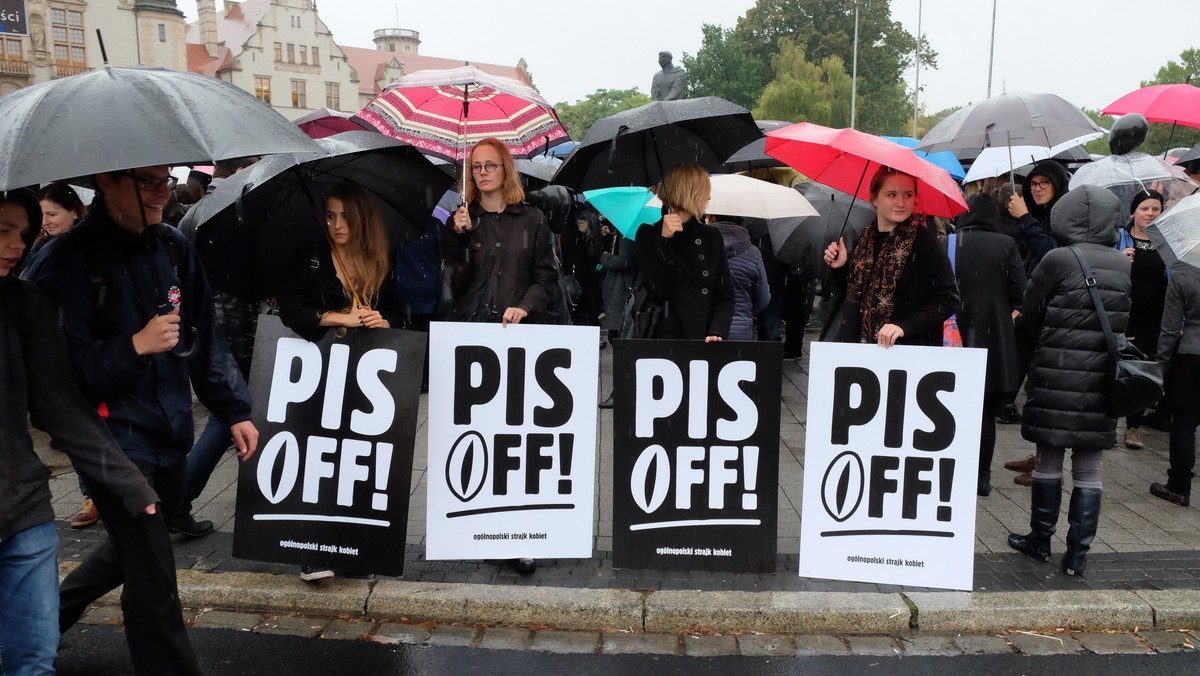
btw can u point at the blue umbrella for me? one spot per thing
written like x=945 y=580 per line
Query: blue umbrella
x=562 y=149
x=624 y=207
x=944 y=159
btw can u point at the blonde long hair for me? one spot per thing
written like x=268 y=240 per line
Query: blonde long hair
x=368 y=246
x=683 y=186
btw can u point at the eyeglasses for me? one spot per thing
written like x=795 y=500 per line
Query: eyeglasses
x=151 y=183
x=1040 y=185
x=485 y=168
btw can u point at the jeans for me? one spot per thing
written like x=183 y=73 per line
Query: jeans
x=137 y=554
x=29 y=601
x=203 y=459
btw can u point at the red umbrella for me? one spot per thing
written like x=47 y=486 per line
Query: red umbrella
x=1169 y=103
x=446 y=112
x=846 y=159
x=324 y=122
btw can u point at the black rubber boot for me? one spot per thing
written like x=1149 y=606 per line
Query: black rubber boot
x=984 y=488
x=1045 y=497
x=1083 y=517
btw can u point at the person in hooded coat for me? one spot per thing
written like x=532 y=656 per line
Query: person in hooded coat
x=1068 y=376
x=750 y=289
x=991 y=281
x=1044 y=186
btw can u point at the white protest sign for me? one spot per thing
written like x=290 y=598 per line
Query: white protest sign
x=890 y=464
x=512 y=441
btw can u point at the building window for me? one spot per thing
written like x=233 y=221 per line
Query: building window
x=299 y=94
x=391 y=46
x=304 y=55
x=66 y=31
x=278 y=52
x=291 y=52
x=316 y=57
x=162 y=32
x=13 y=50
x=262 y=88
x=295 y=22
x=333 y=97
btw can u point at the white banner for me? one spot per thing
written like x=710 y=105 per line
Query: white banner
x=891 y=462
x=512 y=441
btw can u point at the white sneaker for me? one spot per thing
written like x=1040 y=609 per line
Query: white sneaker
x=314 y=573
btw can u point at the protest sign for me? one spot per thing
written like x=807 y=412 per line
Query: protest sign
x=329 y=484
x=695 y=455
x=891 y=460
x=512 y=441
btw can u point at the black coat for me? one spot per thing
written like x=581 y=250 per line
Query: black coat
x=690 y=273
x=309 y=292
x=1066 y=404
x=991 y=281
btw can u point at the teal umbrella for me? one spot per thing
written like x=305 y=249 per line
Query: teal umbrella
x=944 y=159
x=624 y=207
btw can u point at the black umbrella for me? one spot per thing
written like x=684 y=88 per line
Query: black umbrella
x=123 y=118
x=636 y=147
x=805 y=246
x=754 y=154
x=249 y=226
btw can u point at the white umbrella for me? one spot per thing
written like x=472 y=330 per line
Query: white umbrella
x=999 y=160
x=737 y=195
x=1176 y=233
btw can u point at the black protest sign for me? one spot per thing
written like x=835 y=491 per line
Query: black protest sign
x=329 y=484
x=695 y=455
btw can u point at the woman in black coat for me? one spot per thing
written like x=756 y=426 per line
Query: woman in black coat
x=991 y=279
x=682 y=261
x=898 y=284
x=1067 y=378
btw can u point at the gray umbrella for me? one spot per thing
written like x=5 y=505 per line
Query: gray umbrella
x=1127 y=175
x=123 y=118
x=1010 y=120
x=805 y=245
x=635 y=147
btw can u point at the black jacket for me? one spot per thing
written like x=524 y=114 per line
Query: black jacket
x=1033 y=227
x=36 y=378
x=991 y=281
x=690 y=273
x=308 y=292
x=1067 y=377
x=750 y=290
x=149 y=398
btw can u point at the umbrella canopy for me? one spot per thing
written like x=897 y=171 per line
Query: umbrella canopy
x=735 y=195
x=252 y=222
x=1176 y=233
x=1190 y=156
x=845 y=159
x=944 y=159
x=563 y=149
x=636 y=147
x=754 y=154
x=324 y=122
x=806 y=244
x=999 y=160
x=1128 y=174
x=625 y=207
x=1169 y=103
x=446 y=112
x=1010 y=120
x=114 y=119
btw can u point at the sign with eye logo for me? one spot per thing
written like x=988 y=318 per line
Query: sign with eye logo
x=891 y=462
x=512 y=441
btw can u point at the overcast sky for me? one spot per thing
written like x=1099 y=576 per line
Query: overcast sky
x=1088 y=51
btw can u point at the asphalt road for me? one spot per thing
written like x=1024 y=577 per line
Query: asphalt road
x=99 y=650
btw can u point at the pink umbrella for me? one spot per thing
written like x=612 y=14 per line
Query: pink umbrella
x=446 y=112
x=324 y=122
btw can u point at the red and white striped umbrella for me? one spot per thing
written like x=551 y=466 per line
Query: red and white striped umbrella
x=444 y=113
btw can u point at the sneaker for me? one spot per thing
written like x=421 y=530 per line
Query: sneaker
x=86 y=516
x=1133 y=439
x=1025 y=479
x=184 y=524
x=1161 y=491
x=1023 y=466
x=314 y=573
x=1009 y=415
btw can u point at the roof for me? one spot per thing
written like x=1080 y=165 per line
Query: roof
x=369 y=64
x=234 y=29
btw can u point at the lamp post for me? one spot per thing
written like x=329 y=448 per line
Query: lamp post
x=854 y=70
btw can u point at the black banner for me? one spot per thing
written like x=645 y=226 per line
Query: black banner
x=329 y=484
x=12 y=17
x=696 y=455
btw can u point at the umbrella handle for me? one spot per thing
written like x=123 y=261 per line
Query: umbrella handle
x=191 y=349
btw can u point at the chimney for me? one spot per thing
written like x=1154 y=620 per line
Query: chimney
x=207 y=9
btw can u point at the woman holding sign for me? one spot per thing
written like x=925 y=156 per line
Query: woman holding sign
x=681 y=260
x=899 y=287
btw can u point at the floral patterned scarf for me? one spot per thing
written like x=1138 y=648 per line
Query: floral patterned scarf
x=873 y=275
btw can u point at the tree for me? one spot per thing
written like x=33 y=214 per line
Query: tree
x=724 y=67
x=579 y=117
x=1174 y=72
x=803 y=91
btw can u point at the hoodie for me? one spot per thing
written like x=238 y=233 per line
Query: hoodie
x=1032 y=226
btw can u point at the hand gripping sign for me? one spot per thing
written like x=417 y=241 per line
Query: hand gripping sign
x=512 y=441
x=329 y=485
x=891 y=460
x=696 y=455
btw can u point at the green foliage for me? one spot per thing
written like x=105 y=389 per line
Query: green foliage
x=579 y=117
x=1100 y=145
x=803 y=91
x=724 y=67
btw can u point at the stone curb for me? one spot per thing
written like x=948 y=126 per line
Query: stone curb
x=946 y=612
x=777 y=612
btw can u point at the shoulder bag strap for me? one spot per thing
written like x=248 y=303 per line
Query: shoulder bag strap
x=1089 y=280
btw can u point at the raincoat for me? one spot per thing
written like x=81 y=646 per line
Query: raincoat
x=750 y=291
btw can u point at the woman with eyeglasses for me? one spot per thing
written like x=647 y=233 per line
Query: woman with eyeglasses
x=500 y=250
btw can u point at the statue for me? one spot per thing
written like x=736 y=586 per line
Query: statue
x=669 y=82
x=37 y=33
